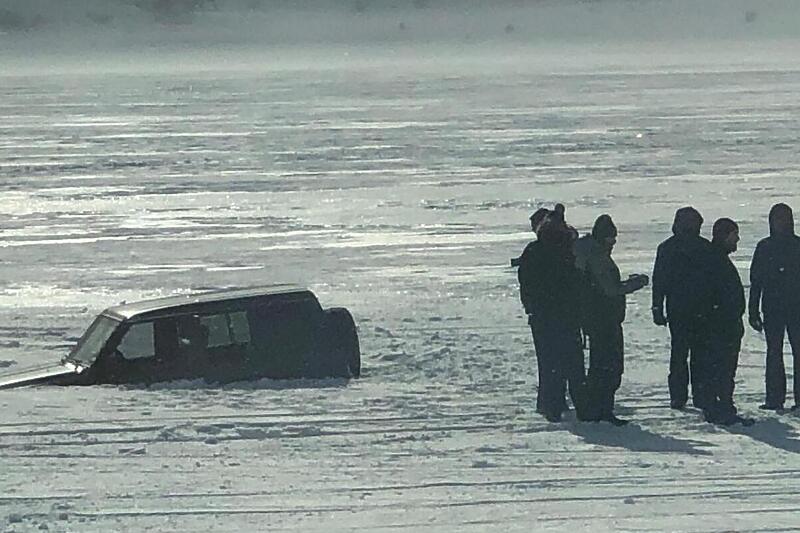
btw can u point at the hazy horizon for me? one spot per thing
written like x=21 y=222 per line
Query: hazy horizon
x=101 y=25
x=162 y=35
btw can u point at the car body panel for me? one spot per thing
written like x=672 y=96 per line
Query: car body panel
x=32 y=375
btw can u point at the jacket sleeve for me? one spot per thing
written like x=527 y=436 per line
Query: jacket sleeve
x=717 y=288
x=659 y=281
x=525 y=275
x=757 y=275
x=601 y=270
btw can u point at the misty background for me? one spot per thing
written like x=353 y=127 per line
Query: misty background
x=36 y=30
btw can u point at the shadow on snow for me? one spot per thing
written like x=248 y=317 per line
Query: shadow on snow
x=635 y=438
x=773 y=432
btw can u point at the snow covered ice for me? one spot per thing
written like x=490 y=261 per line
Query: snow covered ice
x=395 y=180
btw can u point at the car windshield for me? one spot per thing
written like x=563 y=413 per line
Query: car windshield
x=88 y=348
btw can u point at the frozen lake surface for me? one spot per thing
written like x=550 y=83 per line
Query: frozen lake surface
x=396 y=182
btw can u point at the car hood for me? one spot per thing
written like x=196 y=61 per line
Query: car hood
x=37 y=374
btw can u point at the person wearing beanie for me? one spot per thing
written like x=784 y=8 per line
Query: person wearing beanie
x=775 y=291
x=727 y=329
x=549 y=290
x=602 y=315
x=537 y=218
x=682 y=276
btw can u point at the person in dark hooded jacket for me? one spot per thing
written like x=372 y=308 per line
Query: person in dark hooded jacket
x=682 y=276
x=726 y=329
x=603 y=313
x=537 y=219
x=550 y=293
x=775 y=290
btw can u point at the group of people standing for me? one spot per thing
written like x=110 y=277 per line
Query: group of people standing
x=574 y=295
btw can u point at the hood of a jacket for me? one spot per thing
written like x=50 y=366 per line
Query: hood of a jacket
x=688 y=221
x=778 y=212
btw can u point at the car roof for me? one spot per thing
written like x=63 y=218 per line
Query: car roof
x=170 y=304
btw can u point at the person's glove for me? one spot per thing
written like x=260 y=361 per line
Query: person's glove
x=638 y=281
x=635 y=282
x=756 y=323
x=658 y=317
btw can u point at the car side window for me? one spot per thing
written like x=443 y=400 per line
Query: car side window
x=218 y=334
x=240 y=327
x=227 y=329
x=138 y=342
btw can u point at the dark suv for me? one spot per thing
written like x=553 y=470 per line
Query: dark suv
x=228 y=335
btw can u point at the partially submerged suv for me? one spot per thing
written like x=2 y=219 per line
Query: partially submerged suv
x=228 y=335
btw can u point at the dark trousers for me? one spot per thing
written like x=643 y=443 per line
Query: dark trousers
x=719 y=373
x=606 y=353
x=560 y=358
x=689 y=339
x=775 y=328
x=544 y=371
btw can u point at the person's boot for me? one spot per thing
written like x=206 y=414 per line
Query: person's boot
x=553 y=417
x=615 y=421
x=745 y=421
x=607 y=414
x=777 y=407
x=588 y=417
x=677 y=405
x=720 y=419
x=735 y=419
x=728 y=416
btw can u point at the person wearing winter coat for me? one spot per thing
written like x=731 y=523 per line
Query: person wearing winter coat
x=775 y=291
x=536 y=219
x=726 y=329
x=550 y=293
x=603 y=313
x=682 y=276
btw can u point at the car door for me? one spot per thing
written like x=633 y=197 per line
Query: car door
x=144 y=353
x=228 y=345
